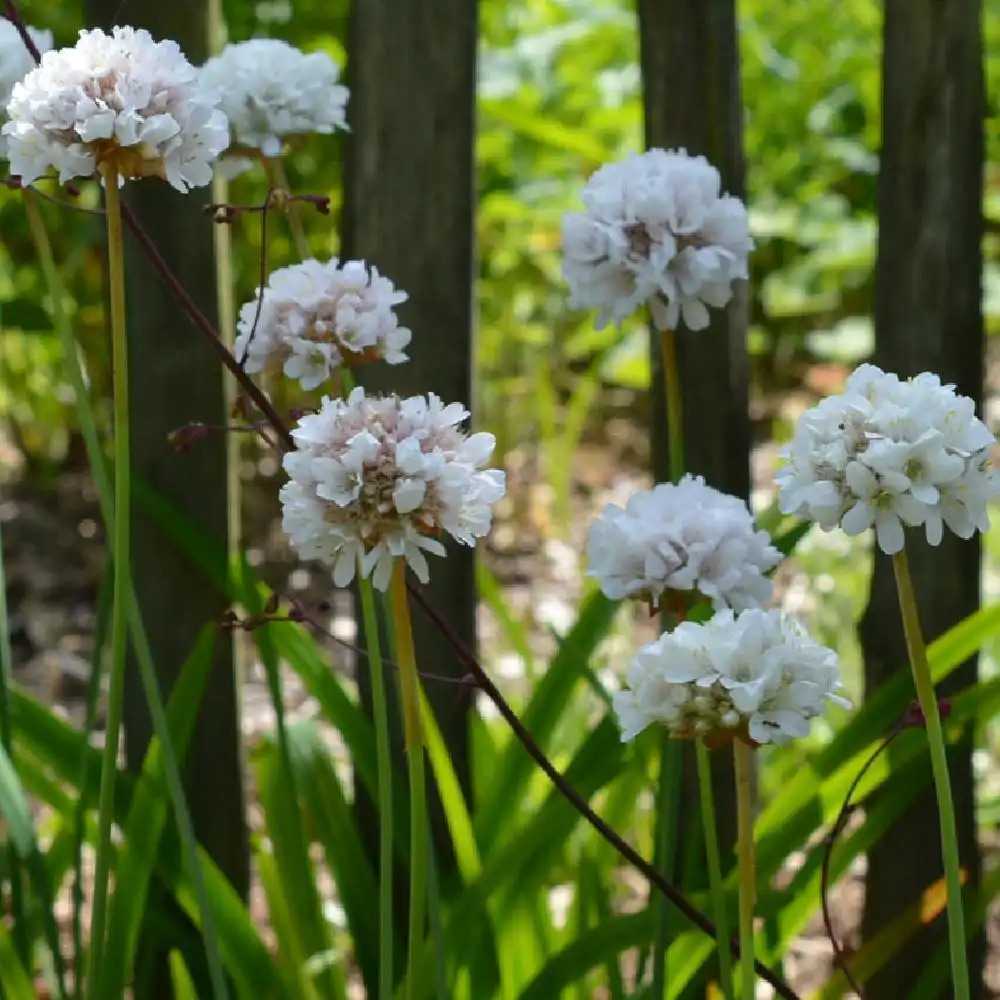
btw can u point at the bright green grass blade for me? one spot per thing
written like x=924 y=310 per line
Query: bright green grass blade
x=291 y=643
x=17 y=815
x=817 y=788
x=180 y=978
x=61 y=748
x=253 y=969
x=301 y=653
x=58 y=857
x=334 y=826
x=590 y=950
x=512 y=630
x=303 y=908
x=523 y=863
x=14 y=808
x=290 y=944
x=899 y=783
x=791 y=910
x=463 y=836
x=594 y=894
x=279 y=796
x=937 y=972
x=147 y=816
x=15 y=983
x=551 y=700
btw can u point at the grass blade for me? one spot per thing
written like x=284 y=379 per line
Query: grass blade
x=180 y=978
x=330 y=817
x=146 y=819
x=15 y=983
x=17 y=815
x=302 y=907
x=550 y=700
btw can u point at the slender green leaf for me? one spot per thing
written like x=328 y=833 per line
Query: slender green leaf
x=334 y=825
x=590 y=950
x=146 y=818
x=180 y=978
x=17 y=815
x=247 y=959
x=14 y=979
x=290 y=851
x=293 y=948
x=551 y=699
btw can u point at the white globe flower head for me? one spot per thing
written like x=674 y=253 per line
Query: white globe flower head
x=121 y=99
x=887 y=453
x=271 y=91
x=682 y=540
x=314 y=317
x=376 y=479
x=758 y=677
x=656 y=231
x=16 y=62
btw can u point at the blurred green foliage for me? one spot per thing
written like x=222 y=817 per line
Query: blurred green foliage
x=559 y=94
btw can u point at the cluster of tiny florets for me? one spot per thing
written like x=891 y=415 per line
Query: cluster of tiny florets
x=315 y=317
x=757 y=676
x=887 y=453
x=271 y=91
x=375 y=479
x=656 y=232
x=16 y=62
x=121 y=98
x=686 y=537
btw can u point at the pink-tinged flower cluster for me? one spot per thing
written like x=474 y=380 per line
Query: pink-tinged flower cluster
x=376 y=479
x=123 y=99
x=316 y=317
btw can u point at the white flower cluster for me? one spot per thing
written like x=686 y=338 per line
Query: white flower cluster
x=16 y=62
x=656 y=231
x=890 y=452
x=683 y=537
x=123 y=98
x=315 y=317
x=374 y=479
x=758 y=676
x=271 y=90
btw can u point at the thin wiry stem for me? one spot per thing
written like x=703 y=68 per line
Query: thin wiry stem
x=839 y=955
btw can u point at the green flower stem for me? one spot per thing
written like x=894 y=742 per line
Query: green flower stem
x=667 y=811
x=939 y=767
x=409 y=684
x=719 y=910
x=122 y=578
x=383 y=759
x=88 y=429
x=743 y=757
x=384 y=763
x=279 y=181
